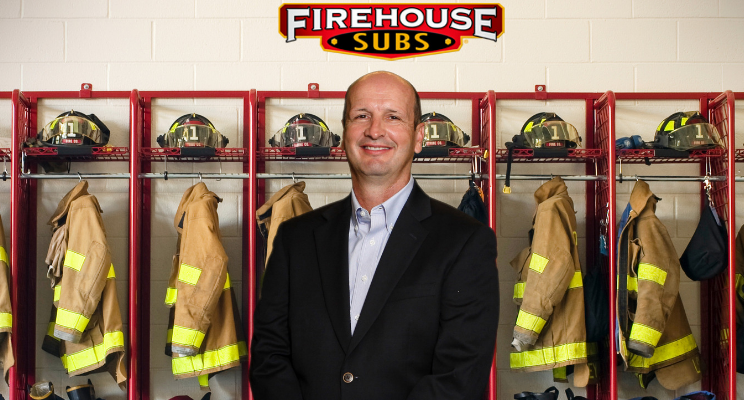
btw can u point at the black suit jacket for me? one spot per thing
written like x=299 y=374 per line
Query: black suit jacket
x=427 y=329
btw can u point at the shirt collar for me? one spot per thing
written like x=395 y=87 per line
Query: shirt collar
x=391 y=207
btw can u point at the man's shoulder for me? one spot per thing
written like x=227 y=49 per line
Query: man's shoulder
x=453 y=218
x=316 y=217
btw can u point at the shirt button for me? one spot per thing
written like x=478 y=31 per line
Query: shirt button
x=356 y=228
x=364 y=278
x=348 y=377
x=372 y=242
x=364 y=213
x=356 y=317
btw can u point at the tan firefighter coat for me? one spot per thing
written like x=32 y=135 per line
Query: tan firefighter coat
x=659 y=337
x=6 y=316
x=205 y=334
x=549 y=289
x=288 y=202
x=740 y=279
x=85 y=327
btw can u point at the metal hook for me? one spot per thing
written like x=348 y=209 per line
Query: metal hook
x=200 y=177
x=80 y=177
x=165 y=170
x=293 y=178
x=5 y=169
x=220 y=161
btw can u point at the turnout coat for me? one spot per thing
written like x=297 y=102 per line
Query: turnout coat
x=427 y=329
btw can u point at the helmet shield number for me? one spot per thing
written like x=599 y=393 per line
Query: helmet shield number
x=192 y=135
x=71 y=130
x=695 y=136
x=439 y=133
x=303 y=134
x=552 y=134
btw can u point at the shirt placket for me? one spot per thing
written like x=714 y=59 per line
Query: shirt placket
x=367 y=262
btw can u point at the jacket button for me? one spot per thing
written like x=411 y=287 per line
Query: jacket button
x=348 y=377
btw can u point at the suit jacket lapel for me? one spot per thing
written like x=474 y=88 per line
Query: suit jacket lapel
x=405 y=240
x=332 y=242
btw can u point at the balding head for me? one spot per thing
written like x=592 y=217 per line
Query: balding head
x=383 y=75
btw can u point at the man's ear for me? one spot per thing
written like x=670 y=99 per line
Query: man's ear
x=419 y=137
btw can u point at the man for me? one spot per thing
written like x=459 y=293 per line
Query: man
x=386 y=294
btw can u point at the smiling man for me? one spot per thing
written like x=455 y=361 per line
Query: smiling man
x=386 y=294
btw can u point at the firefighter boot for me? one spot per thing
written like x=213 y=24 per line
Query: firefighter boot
x=43 y=390
x=82 y=392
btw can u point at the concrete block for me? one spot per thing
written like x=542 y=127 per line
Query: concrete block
x=162 y=250
x=690 y=293
x=238 y=76
x=473 y=50
x=726 y=47
x=158 y=311
x=114 y=40
x=733 y=77
x=227 y=211
x=590 y=77
x=66 y=9
x=10 y=9
x=519 y=44
x=151 y=76
x=634 y=40
x=680 y=244
x=731 y=9
x=687 y=210
x=675 y=9
x=45 y=76
x=694 y=77
x=10 y=79
x=430 y=78
x=296 y=76
x=515 y=219
x=262 y=42
x=589 y=9
x=45 y=45
x=237 y=9
x=165 y=9
x=208 y=40
x=519 y=9
x=499 y=77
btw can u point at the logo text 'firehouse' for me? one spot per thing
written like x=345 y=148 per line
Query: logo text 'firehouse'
x=391 y=31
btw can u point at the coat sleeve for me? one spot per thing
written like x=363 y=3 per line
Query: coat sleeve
x=6 y=318
x=657 y=277
x=202 y=275
x=468 y=321
x=740 y=277
x=271 y=373
x=551 y=269
x=87 y=265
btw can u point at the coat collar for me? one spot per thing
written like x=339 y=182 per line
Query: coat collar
x=189 y=196
x=551 y=188
x=642 y=199
x=332 y=240
x=57 y=219
x=265 y=210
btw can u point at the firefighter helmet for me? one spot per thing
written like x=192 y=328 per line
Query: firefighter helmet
x=686 y=131
x=441 y=131
x=548 y=130
x=73 y=128
x=192 y=130
x=302 y=130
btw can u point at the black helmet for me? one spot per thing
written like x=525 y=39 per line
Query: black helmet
x=192 y=130
x=686 y=131
x=72 y=128
x=547 y=130
x=441 y=131
x=302 y=130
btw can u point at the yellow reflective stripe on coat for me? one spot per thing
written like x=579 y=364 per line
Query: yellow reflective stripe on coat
x=664 y=353
x=186 y=336
x=560 y=374
x=739 y=285
x=111 y=273
x=650 y=272
x=204 y=380
x=72 y=320
x=93 y=355
x=74 y=260
x=50 y=331
x=538 y=263
x=530 y=322
x=189 y=274
x=4 y=255
x=632 y=284
x=57 y=292
x=228 y=285
x=645 y=334
x=209 y=360
x=576 y=281
x=519 y=289
x=551 y=355
x=170 y=296
x=6 y=320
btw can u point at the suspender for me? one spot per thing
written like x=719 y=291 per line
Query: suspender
x=622 y=277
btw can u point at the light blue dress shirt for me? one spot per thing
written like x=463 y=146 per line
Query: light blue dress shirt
x=368 y=234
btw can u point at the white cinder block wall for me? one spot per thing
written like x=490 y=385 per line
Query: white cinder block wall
x=569 y=45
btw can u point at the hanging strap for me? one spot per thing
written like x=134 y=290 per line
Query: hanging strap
x=550 y=393
x=510 y=155
x=570 y=395
x=622 y=282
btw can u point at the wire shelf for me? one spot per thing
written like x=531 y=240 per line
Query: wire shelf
x=428 y=155
x=79 y=154
x=739 y=157
x=667 y=156
x=5 y=154
x=179 y=154
x=549 y=155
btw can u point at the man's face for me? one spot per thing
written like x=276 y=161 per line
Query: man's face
x=379 y=136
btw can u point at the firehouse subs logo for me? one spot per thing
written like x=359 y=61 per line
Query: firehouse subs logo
x=391 y=31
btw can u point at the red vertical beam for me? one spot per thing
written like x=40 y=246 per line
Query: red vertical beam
x=135 y=218
x=17 y=381
x=250 y=187
x=145 y=244
x=491 y=162
x=731 y=179
x=591 y=205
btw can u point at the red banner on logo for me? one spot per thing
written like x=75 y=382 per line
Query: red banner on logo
x=391 y=31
